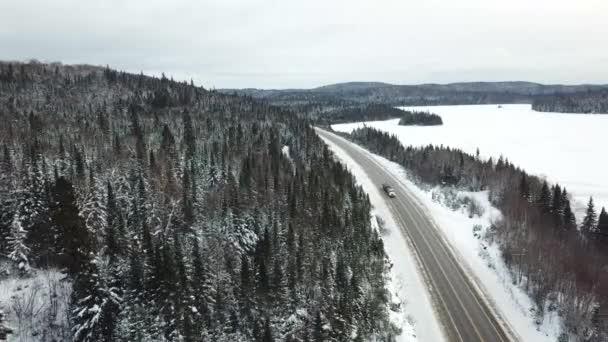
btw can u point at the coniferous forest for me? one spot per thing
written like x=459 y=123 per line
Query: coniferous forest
x=174 y=213
x=413 y=118
x=561 y=266
x=581 y=102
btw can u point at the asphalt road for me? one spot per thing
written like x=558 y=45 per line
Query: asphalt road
x=464 y=314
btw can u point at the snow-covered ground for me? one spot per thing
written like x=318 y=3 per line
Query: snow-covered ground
x=566 y=148
x=35 y=303
x=482 y=262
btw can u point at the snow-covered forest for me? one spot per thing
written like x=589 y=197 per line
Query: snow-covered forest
x=154 y=210
x=560 y=263
x=414 y=118
x=581 y=102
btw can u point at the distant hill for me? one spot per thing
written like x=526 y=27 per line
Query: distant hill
x=422 y=94
x=591 y=102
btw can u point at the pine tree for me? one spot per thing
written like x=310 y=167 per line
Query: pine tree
x=6 y=166
x=318 y=330
x=602 y=225
x=246 y=286
x=556 y=204
x=544 y=198
x=113 y=223
x=189 y=138
x=569 y=219
x=19 y=252
x=278 y=286
x=6 y=221
x=94 y=214
x=149 y=264
x=267 y=332
x=183 y=304
x=33 y=212
x=524 y=187
x=589 y=222
x=93 y=305
x=187 y=208
x=112 y=295
x=74 y=240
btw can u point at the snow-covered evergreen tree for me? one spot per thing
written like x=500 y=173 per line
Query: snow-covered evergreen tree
x=18 y=251
x=94 y=214
x=186 y=238
x=94 y=305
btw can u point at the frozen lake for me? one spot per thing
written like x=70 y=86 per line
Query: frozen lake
x=570 y=149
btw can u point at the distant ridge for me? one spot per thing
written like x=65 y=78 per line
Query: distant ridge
x=420 y=94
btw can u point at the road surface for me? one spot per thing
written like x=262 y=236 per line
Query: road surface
x=464 y=314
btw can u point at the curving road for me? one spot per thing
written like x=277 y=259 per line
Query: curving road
x=464 y=314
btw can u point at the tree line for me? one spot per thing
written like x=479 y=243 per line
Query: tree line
x=560 y=264
x=176 y=214
x=415 y=118
x=588 y=102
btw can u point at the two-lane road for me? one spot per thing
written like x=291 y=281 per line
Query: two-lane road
x=464 y=314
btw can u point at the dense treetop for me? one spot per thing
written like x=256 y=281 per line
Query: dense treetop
x=176 y=214
x=589 y=102
x=410 y=118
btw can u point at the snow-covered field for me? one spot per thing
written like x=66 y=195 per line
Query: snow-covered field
x=482 y=261
x=570 y=149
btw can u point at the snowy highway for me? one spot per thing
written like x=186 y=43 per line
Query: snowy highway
x=464 y=313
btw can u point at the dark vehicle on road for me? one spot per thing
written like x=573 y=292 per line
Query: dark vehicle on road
x=389 y=190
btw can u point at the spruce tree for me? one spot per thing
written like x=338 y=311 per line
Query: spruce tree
x=246 y=285
x=524 y=187
x=148 y=264
x=318 y=332
x=6 y=221
x=602 y=224
x=19 y=253
x=115 y=227
x=556 y=204
x=198 y=278
x=544 y=197
x=74 y=240
x=33 y=212
x=588 y=225
x=267 y=332
x=94 y=305
x=187 y=208
x=189 y=139
x=569 y=219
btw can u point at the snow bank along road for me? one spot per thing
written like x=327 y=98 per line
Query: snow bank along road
x=465 y=315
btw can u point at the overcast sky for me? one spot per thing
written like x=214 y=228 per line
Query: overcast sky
x=289 y=43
